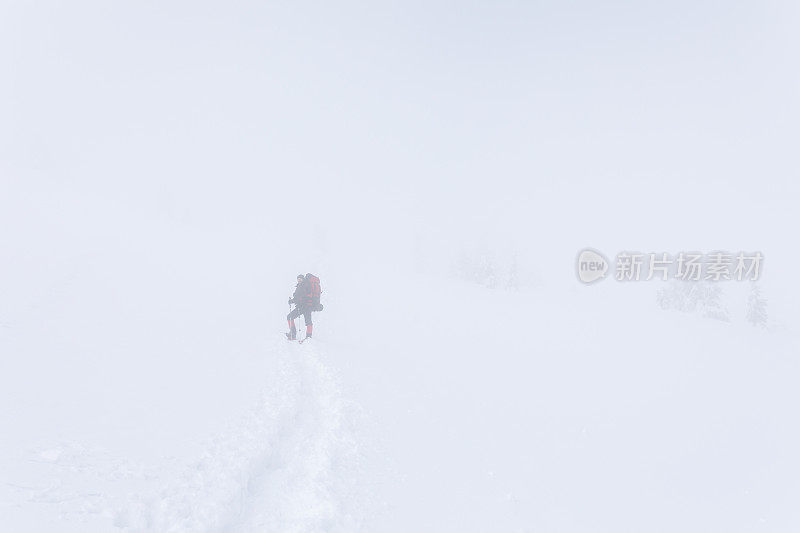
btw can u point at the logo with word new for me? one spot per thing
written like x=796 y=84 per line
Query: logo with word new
x=592 y=266
x=714 y=266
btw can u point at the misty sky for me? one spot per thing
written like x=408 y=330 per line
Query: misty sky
x=578 y=117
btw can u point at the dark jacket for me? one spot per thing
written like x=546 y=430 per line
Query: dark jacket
x=302 y=294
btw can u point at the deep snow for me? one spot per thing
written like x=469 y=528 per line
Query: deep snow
x=172 y=402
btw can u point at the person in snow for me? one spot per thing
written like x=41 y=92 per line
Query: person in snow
x=302 y=306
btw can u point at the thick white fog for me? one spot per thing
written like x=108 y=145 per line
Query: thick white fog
x=168 y=168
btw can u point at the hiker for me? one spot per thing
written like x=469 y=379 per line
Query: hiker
x=302 y=300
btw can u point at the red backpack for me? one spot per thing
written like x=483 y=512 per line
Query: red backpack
x=316 y=291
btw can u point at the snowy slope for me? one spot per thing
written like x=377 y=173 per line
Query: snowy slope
x=286 y=464
x=148 y=387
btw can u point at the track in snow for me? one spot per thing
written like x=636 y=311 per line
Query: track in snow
x=289 y=464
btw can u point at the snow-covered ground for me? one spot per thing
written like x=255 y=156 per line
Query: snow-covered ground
x=167 y=170
x=288 y=463
x=147 y=386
